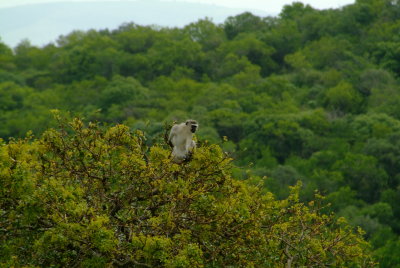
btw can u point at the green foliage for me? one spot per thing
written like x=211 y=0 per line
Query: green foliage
x=85 y=196
x=245 y=22
x=206 y=33
x=343 y=98
x=387 y=256
x=310 y=95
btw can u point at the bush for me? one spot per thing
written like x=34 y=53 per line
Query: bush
x=83 y=196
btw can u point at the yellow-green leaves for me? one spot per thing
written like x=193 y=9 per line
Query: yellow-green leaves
x=84 y=196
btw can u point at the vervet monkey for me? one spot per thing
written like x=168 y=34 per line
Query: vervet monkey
x=181 y=139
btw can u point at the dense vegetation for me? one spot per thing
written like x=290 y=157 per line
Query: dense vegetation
x=310 y=95
x=101 y=198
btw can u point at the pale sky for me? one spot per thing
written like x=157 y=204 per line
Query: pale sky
x=270 y=6
x=40 y=29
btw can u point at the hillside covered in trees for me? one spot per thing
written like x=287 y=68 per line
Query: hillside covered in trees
x=310 y=96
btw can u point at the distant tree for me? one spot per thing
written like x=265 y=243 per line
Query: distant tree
x=295 y=11
x=166 y=54
x=28 y=56
x=256 y=51
x=343 y=98
x=386 y=255
x=6 y=57
x=242 y=23
x=86 y=55
x=204 y=31
x=387 y=54
x=364 y=175
x=134 y=38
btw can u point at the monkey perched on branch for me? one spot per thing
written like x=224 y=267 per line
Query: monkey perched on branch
x=181 y=140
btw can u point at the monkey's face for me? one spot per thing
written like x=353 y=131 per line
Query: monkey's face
x=193 y=128
x=192 y=124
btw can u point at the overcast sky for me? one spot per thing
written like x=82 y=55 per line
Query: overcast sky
x=270 y=6
x=41 y=26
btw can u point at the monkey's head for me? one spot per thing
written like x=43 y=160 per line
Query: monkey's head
x=192 y=124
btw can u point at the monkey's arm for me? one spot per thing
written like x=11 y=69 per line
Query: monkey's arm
x=168 y=134
x=172 y=133
x=170 y=143
x=167 y=140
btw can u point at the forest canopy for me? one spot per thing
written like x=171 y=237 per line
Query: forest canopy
x=310 y=95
